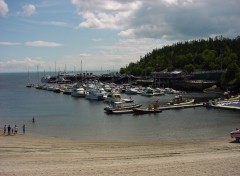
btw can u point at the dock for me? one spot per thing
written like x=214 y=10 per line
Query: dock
x=180 y=106
x=236 y=108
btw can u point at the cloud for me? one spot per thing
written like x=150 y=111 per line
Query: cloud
x=107 y=14
x=27 y=10
x=97 y=39
x=57 y=23
x=9 y=43
x=43 y=44
x=3 y=8
x=21 y=64
x=162 y=19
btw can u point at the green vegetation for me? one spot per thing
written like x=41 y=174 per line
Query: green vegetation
x=211 y=54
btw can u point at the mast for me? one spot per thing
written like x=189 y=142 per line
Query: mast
x=81 y=72
x=38 y=73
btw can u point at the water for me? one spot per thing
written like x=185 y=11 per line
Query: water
x=59 y=115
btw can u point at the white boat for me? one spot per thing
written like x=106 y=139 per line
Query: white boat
x=148 y=92
x=178 y=100
x=158 y=92
x=121 y=108
x=113 y=97
x=67 y=91
x=78 y=92
x=132 y=91
x=94 y=94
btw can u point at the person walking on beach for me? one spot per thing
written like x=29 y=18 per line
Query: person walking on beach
x=33 y=120
x=4 y=129
x=23 y=128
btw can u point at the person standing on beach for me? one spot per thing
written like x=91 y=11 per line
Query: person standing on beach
x=15 y=129
x=4 y=129
x=9 y=129
x=23 y=128
x=33 y=120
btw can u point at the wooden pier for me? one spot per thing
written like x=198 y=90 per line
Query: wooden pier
x=236 y=108
x=180 y=106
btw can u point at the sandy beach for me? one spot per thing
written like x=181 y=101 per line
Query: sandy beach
x=39 y=156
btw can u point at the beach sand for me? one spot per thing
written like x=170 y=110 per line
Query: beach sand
x=39 y=156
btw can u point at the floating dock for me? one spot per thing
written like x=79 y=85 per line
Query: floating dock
x=180 y=106
x=236 y=108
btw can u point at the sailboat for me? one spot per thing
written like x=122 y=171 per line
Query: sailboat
x=29 y=85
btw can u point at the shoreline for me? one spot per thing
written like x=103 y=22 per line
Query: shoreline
x=37 y=156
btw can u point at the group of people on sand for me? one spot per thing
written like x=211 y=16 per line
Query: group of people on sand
x=8 y=130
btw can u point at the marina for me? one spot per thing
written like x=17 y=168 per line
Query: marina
x=63 y=116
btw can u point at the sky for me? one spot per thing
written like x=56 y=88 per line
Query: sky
x=104 y=34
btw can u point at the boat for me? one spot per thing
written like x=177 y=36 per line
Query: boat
x=233 y=97
x=67 y=91
x=150 y=109
x=56 y=90
x=121 y=108
x=132 y=91
x=29 y=85
x=235 y=134
x=158 y=92
x=94 y=94
x=128 y=100
x=146 y=110
x=113 y=97
x=148 y=92
x=178 y=100
x=78 y=92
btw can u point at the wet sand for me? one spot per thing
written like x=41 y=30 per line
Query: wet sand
x=39 y=156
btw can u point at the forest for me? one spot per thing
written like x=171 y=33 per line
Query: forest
x=217 y=53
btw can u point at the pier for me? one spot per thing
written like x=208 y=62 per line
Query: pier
x=180 y=106
x=236 y=108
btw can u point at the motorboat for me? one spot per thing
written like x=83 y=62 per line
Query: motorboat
x=121 y=108
x=113 y=97
x=235 y=134
x=150 y=109
x=78 y=92
x=67 y=91
x=132 y=91
x=146 y=110
x=178 y=100
x=29 y=85
x=94 y=94
x=148 y=92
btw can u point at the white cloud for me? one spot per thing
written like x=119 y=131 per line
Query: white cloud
x=43 y=44
x=21 y=64
x=3 y=8
x=107 y=14
x=9 y=43
x=27 y=10
x=57 y=23
x=162 y=19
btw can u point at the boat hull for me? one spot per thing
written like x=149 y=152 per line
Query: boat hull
x=146 y=111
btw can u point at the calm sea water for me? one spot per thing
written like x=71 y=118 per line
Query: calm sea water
x=59 y=115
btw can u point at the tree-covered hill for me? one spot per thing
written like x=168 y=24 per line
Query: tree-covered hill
x=211 y=54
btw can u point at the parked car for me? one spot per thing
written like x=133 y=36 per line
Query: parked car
x=236 y=134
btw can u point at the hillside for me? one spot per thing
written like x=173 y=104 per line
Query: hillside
x=211 y=54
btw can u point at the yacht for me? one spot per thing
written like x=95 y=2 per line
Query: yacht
x=78 y=92
x=94 y=94
x=113 y=97
x=148 y=92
